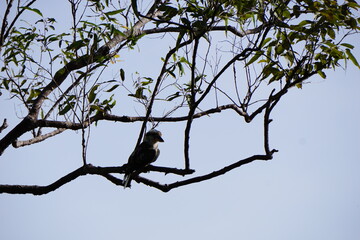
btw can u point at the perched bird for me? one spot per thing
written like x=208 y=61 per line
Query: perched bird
x=144 y=154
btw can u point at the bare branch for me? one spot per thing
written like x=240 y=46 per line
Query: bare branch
x=84 y=170
x=167 y=170
x=168 y=187
x=267 y=121
x=39 y=190
x=192 y=106
x=4 y=125
x=129 y=119
x=37 y=139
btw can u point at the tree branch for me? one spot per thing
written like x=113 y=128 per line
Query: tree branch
x=213 y=28
x=17 y=144
x=157 y=86
x=4 y=125
x=237 y=32
x=192 y=105
x=40 y=190
x=168 y=187
x=129 y=119
x=82 y=171
x=5 y=33
x=66 y=125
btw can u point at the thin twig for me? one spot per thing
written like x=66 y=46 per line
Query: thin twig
x=4 y=125
x=37 y=139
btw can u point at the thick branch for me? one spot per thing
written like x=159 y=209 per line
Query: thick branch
x=168 y=170
x=168 y=187
x=231 y=29
x=39 y=190
x=84 y=170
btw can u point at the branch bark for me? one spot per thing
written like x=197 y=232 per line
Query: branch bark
x=17 y=143
x=4 y=125
x=65 y=125
x=168 y=187
x=82 y=171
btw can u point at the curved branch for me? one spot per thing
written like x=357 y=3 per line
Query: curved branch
x=17 y=144
x=168 y=187
x=276 y=97
x=129 y=119
x=231 y=29
x=40 y=190
x=82 y=171
x=65 y=125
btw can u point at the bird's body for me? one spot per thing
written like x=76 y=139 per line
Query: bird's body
x=143 y=155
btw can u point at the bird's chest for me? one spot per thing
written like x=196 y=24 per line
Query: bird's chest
x=145 y=156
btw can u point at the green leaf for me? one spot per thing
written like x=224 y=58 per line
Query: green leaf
x=254 y=58
x=331 y=33
x=110 y=13
x=347 y=45
x=35 y=10
x=138 y=94
x=92 y=94
x=78 y=44
x=66 y=108
x=149 y=80
x=122 y=74
x=96 y=108
x=173 y=96
x=322 y=74
x=180 y=37
x=279 y=49
x=352 y=58
x=265 y=41
x=112 y=88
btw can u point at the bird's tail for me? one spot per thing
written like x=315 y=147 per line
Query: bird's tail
x=127 y=180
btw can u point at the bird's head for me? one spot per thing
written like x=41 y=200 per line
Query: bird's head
x=153 y=136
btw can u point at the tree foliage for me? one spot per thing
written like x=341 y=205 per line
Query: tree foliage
x=261 y=48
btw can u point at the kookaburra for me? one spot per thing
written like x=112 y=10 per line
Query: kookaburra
x=144 y=154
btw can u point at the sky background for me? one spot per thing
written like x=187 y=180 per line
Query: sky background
x=310 y=190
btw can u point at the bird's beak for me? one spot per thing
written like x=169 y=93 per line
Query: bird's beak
x=160 y=139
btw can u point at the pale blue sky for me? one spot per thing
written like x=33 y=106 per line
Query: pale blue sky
x=310 y=190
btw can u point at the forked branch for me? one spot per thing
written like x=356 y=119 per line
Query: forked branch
x=88 y=169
